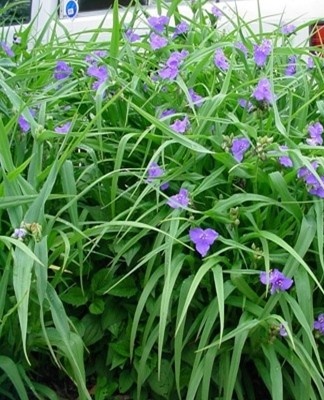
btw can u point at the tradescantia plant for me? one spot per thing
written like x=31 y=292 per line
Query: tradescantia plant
x=162 y=211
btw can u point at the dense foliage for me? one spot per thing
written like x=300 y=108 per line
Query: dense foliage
x=162 y=211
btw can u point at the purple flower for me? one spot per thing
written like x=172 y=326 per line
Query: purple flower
x=7 y=49
x=203 y=239
x=291 y=67
x=23 y=124
x=99 y=73
x=167 y=112
x=282 y=330
x=101 y=53
x=285 y=160
x=132 y=36
x=171 y=68
x=158 y=23
x=176 y=58
x=216 y=12
x=317 y=189
x=319 y=324
x=164 y=186
x=168 y=73
x=94 y=56
x=179 y=200
x=315 y=185
x=263 y=91
x=62 y=70
x=277 y=281
x=196 y=99
x=63 y=129
x=288 y=29
x=261 y=52
x=315 y=133
x=19 y=233
x=157 y=41
x=180 y=125
x=306 y=174
x=239 y=147
x=310 y=62
x=240 y=46
x=220 y=60
x=181 y=29
x=154 y=171
x=246 y=104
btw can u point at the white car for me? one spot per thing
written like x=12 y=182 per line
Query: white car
x=77 y=16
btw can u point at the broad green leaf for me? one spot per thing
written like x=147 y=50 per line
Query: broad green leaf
x=22 y=274
x=12 y=372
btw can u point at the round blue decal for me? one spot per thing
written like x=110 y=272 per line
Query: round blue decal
x=71 y=9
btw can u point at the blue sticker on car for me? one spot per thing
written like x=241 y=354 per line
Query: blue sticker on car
x=71 y=9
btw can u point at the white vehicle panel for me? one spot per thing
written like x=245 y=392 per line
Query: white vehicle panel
x=273 y=12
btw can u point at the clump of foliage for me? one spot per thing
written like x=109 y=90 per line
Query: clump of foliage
x=162 y=211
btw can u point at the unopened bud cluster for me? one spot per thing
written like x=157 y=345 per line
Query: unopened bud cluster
x=258 y=254
x=227 y=142
x=262 y=145
x=234 y=215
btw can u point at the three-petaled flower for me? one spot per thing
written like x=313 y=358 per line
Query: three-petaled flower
x=263 y=92
x=7 y=49
x=282 y=330
x=181 y=29
x=261 y=52
x=195 y=98
x=239 y=147
x=277 y=281
x=158 y=23
x=155 y=171
x=291 y=66
x=100 y=73
x=319 y=324
x=180 y=125
x=203 y=239
x=220 y=60
x=316 y=186
x=315 y=134
x=157 y=42
x=179 y=200
x=62 y=70
x=288 y=29
x=285 y=160
x=171 y=68
x=131 y=36
x=63 y=129
x=19 y=233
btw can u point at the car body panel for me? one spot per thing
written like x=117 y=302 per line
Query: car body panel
x=273 y=12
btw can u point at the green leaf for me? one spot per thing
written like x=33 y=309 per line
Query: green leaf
x=97 y=307
x=125 y=288
x=115 y=36
x=12 y=372
x=161 y=384
x=277 y=388
x=125 y=381
x=92 y=329
x=22 y=273
x=74 y=296
x=239 y=341
x=72 y=344
x=219 y=285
